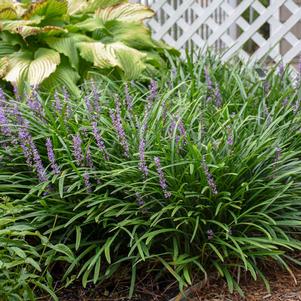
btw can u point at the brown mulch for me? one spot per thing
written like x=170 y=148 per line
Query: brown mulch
x=283 y=288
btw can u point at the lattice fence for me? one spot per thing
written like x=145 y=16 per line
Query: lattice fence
x=253 y=29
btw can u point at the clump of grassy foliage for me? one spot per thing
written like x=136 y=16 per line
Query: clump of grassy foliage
x=199 y=171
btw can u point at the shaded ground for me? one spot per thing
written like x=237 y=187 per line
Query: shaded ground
x=283 y=288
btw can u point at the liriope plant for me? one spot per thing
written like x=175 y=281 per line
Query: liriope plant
x=199 y=173
x=52 y=43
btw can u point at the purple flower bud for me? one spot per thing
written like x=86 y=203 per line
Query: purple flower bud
x=210 y=234
x=209 y=177
x=278 y=153
x=285 y=102
x=139 y=198
x=77 y=149
x=142 y=164
x=99 y=141
x=296 y=106
x=51 y=157
x=162 y=179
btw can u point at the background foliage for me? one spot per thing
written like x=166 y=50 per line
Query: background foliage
x=51 y=43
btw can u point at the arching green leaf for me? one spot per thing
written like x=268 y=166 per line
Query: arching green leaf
x=125 y=12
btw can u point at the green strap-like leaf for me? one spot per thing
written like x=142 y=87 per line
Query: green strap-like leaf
x=126 y=12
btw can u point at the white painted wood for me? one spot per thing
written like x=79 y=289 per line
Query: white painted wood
x=220 y=24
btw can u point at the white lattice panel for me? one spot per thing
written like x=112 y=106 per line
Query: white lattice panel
x=246 y=28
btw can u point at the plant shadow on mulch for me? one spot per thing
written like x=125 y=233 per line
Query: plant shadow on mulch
x=283 y=288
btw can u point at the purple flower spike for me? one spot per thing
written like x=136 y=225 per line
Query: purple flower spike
x=89 y=158
x=218 y=97
x=88 y=104
x=153 y=87
x=57 y=103
x=4 y=128
x=117 y=123
x=230 y=139
x=77 y=149
x=128 y=99
x=24 y=141
x=209 y=177
x=40 y=170
x=96 y=96
x=51 y=157
x=162 y=179
x=87 y=182
x=142 y=164
x=34 y=103
x=139 y=198
x=208 y=79
x=281 y=69
x=99 y=141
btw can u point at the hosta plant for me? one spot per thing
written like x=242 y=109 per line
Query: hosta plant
x=52 y=43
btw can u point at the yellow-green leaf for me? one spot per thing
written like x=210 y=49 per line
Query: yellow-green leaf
x=7 y=13
x=99 y=4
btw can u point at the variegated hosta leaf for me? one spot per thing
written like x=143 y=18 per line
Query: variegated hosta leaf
x=44 y=63
x=23 y=68
x=126 y=12
x=76 y=6
x=4 y=64
x=114 y=55
x=13 y=25
x=99 y=4
x=47 y=8
x=66 y=46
